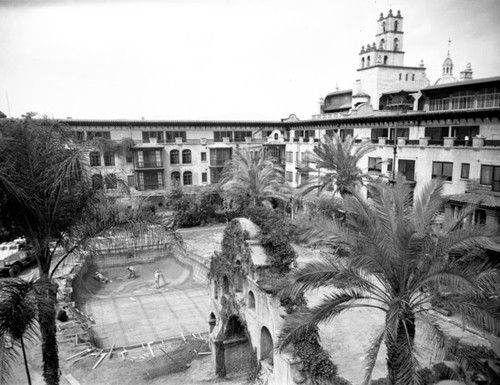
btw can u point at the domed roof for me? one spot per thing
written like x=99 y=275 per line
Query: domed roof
x=361 y=95
x=446 y=79
x=447 y=76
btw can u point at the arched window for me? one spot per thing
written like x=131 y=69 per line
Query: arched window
x=381 y=44
x=174 y=157
x=111 y=181
x=383 y=26
x=400 y=76
x=175 y=176
x=97 y=183
x=368 y=61
x=212 y=321
x=412 y=77
x=396 y=25
x=238 y=278
x=385 y=59
x=95 y=158
x=225 y=285
x=396 y=44
x=406 y=77
x=251 y=300
x=186 y=156
x=266 y=345
x=276 y=136
x=187 y=178
x=362 y=62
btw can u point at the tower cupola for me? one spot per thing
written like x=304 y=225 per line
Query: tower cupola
x=387 y=49
x=447 y=75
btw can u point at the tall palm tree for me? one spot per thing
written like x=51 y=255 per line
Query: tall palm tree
x=251 y=179
x=340 y=158
x=19 y=306
x=395 y=251
x=46 y=194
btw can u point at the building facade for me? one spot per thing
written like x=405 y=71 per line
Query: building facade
x=449 y=130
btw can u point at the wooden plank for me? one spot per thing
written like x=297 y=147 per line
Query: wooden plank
x=71 y=379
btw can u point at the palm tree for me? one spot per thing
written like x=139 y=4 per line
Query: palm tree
x=46 y=194
x=251 y=179
x=340 y=158
x=395 y=251
x=18 y=314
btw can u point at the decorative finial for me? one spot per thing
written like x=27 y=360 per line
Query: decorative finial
x=336 y=86
x=449 y=43
x=390 y=13
x=399 y=13
x=422 y=63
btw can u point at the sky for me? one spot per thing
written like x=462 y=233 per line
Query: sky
x=217 y=59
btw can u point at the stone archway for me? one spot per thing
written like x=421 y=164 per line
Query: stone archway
x=212 y=321
x=266 y=345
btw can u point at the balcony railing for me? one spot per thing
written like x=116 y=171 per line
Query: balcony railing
x=153 y=164
x=146 y=187
x=218 y=162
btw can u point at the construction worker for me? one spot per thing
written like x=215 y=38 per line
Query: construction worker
x=158 y=275
x=131 y=272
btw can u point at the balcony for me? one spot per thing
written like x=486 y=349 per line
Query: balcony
x=149 y=165
x=218 y=162
x=147 y=187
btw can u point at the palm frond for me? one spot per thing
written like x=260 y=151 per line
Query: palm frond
x=372 y=354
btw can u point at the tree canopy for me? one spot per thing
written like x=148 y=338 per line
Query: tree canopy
x=340 y=160
x=251 y=179
x=397 y=260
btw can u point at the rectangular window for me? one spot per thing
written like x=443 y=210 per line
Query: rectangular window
x=219 y=135
x=109 y=158
x=330 y=133
x=98 y=134
x=389 y=165
x=406 y=167
x=203 y=156
x=464 y=173
x=289 y=176
x=204 y=177
x=375 y=164
x=95 y=159
x=172 y=135
x=378 y=133
x=218 y=157
x=490 y=175
x=131 y=180
x=239 y=136
x=442 y=170
x=289 y=156
x=345 y=132
x=111 y=181
x=151 y=136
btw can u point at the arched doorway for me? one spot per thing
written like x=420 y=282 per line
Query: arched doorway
x=212 y=321
x=234 y=328
x=266 y=345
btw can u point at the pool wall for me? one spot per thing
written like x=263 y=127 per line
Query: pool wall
x=197 y=265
